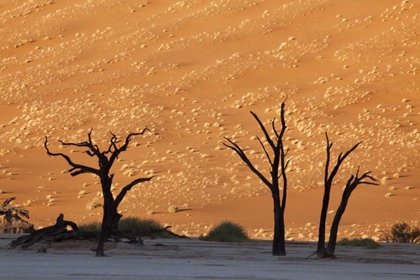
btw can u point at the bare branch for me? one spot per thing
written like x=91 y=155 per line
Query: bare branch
x=273 y=126
x=128 y=187
x=284 y=171
x=283 y=121
x=267 y=136
x=340 y=160
x=355 y=180
x=81 y=144
x=265 y=151
x=286 y=152
x=76 y=169
x=327 y=163
x=117 y=151
x=93 y=150
x=112 y=144
x=245 y=159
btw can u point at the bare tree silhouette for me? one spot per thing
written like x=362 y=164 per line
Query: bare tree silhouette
x=278 y=164
x=351 y=185
x=105 y=159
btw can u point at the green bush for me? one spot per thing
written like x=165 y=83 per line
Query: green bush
x=93 y=226
x=366 y=243
x=226 y=232
x=137 y=225
x=130 y=224
x=402 y=233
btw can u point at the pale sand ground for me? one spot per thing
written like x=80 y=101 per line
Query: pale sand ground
x=191 y=71
x=193 y=259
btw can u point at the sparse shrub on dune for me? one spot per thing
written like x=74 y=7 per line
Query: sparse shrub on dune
x=226 y=232
x=402 y=233
x=93 y=204
x=366 y=243
x=173 y=209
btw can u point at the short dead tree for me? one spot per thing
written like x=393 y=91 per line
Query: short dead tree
x=11 y=218
x=278 y=164
x=352 y=183
x=106 y=159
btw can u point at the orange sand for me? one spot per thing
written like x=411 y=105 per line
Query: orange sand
x=191 y=71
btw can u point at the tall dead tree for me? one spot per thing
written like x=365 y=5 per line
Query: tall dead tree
x=278 y=166
x=352 y=183
x=106 y=159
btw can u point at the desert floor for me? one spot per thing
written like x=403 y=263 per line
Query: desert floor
x=191 y=71
x=194 y=259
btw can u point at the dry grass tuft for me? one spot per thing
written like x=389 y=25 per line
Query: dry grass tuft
x=173 y=209
x=93 y=204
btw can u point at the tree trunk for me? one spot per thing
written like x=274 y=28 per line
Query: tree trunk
x=107 y=217
x=334 y=227
x=115 y=219
x=102 y=235
x=321 y=233
x=110 y=219
x=279 y=246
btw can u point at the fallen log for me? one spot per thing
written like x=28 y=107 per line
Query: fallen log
x=59 y=233
x=44 y=234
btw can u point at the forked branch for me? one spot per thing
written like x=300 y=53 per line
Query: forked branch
x=76 y=169
x=264 y=130
x=235 y=147
x=116 y=151
x=265 y=151
x=355 y=180
x=341 y=157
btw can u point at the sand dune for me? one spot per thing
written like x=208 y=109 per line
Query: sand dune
x=191 y=71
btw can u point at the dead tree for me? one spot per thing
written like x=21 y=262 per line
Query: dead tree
x=105 y=159
x=11 y=218
x=352 y=183
x=278 y=166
